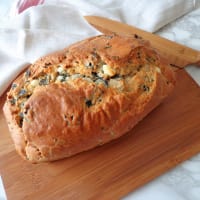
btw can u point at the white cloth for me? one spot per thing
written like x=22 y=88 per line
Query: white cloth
x=143 y=14
x=2 y=191
x=58 y=23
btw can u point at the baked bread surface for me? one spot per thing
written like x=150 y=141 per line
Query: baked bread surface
x=85 y=95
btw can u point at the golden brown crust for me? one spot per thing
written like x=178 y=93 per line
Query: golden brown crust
x=85 y=95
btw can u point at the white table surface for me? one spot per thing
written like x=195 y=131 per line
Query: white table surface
x=183 y=182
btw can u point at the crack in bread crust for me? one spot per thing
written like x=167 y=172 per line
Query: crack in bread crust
x=96 y=90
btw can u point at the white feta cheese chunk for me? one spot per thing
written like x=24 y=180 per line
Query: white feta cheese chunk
x=107 y=70
x=60 y=78
x=158 y=70
x=60 y=69
x=34 y=83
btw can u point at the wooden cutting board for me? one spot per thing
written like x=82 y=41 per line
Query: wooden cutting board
x=166 y=137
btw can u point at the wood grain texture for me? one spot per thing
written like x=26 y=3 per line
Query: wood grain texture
x=167 y=136
x=177 y=54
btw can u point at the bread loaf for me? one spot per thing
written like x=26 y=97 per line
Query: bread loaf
x=85 y=95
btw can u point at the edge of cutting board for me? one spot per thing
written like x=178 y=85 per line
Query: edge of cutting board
x=119 y=167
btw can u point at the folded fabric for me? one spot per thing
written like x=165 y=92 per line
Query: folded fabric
x=145 y=15
x=55 y=24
